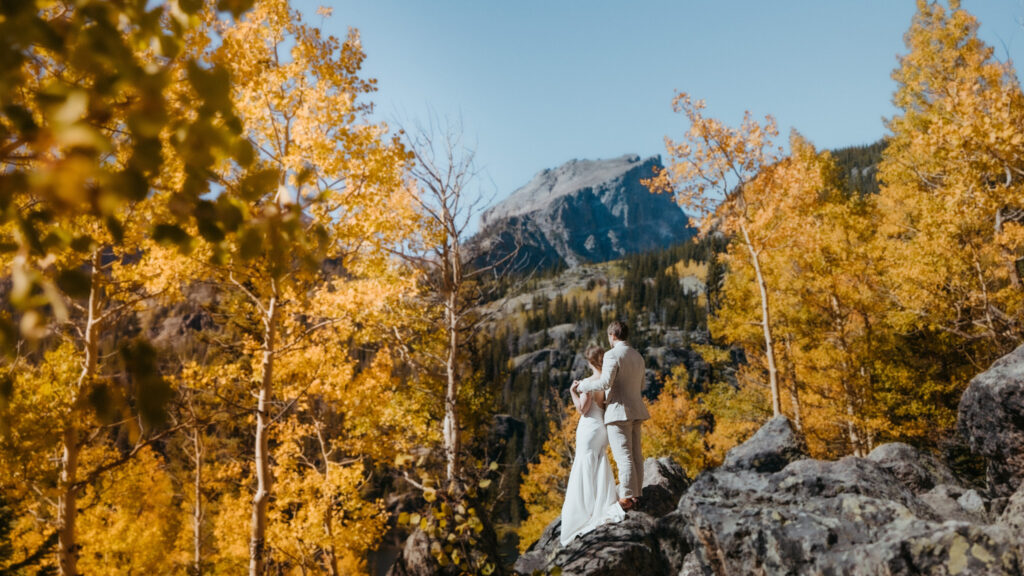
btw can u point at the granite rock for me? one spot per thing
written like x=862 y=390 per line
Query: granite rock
x=583 y=211
x=991 y=417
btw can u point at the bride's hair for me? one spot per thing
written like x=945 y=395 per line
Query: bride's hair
x=595 y=355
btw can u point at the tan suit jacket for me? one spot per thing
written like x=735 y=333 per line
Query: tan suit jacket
x=622 y=377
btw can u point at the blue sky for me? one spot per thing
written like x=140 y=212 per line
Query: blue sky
x=537 y=83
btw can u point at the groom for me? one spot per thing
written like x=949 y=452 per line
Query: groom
x=622 y=376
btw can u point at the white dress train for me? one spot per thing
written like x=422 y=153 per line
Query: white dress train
x=590 y=496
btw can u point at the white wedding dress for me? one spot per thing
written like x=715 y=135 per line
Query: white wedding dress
x=590 y=497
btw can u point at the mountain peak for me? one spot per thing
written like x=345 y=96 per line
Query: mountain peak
x=582 y=211
x=552 y=183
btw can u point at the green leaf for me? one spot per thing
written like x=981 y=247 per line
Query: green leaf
x=170 y=46
x=229 y=213
x=236 y=7
x=258 y=183
x=485 y=483
x=213 y=85
x=171 y=234
x=250 y=244
x=8 y=336
x=83 y=243
x=6 y=389
x=132 y=184
x=243 y=152
x=102 y=400
x=206 y=222
x=75 y=283
x=152 y=391
x=115 y=228
x=147 y=155
x=190 y=6
x=22 y=120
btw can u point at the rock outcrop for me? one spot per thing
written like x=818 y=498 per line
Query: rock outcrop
x=770 y=509
x=582 y=211
x=771 y=449
x=919 y=472
x=637 y=545
x=991 y=417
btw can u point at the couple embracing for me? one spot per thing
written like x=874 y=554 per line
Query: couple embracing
x=612 y=411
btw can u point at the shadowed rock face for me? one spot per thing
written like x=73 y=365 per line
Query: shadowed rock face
x=582 y=211
x=991 y=416
x=918 y=471
x=640 y=544
x=769 y=509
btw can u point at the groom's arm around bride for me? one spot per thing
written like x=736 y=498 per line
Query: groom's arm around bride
x=622 y=376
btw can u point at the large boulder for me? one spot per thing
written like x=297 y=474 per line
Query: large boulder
x=664 y=482
x=1012 y=518
x=918 y=471
x=639 y=544
x=628 y=547
x=919 y=547
x=955 y=503
x=743 y=522
x=850 y=516
x=770 y=449
x=415 y=559
x=991 y=417
x=538 y=555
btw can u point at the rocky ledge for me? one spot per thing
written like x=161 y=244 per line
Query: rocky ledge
x=769 y=509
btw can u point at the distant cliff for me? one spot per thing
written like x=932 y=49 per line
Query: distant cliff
x=583 y=211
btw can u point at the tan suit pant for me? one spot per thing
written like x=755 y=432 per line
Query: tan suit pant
x=624 y=439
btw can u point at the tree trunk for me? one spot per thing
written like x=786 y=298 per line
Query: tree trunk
x=1008 y=255
x=264 y=480
x=67 y=501
x=769 y=347
x=197 y=507
x=330 y=559
x=794 y=386
x=451 y=414
x=851 y=427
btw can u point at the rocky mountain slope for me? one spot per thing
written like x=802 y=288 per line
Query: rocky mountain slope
x=582 y=211
x=769 y=509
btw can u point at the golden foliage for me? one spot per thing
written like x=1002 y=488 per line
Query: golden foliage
x=130 y=521
x=543 y=486
x=677 y=425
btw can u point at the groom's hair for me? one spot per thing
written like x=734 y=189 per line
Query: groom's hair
x=619 y=330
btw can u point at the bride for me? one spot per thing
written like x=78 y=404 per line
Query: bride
x=590 y=496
